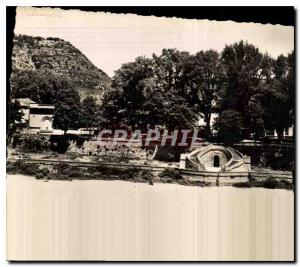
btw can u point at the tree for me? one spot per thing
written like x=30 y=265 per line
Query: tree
x=171 y=69
x=177 y=114
x=291 y=86
x=39 y=86
x=278 y=96
x=90 y=113
x=171 y=75
x=15 y=115
x=229 y=126
x=67 y=108
x=150 y=92
x=124 y=103
x=205 y=80
x=248 y=73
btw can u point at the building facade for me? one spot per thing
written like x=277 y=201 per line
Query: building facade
x=36 y=117
x=41 y=117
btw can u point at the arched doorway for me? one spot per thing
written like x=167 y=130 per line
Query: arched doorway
x=216 y=161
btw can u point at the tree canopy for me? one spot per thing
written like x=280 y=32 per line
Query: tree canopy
x=250 y=91
x=67 y=108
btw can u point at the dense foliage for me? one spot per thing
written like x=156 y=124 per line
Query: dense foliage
x=251 y=92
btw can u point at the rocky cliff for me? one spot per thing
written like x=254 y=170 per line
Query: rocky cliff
x=60 y=58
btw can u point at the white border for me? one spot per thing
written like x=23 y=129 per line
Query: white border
x=5 y=3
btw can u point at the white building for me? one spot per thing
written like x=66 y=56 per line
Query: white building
x=38 y=117
x=41 y=117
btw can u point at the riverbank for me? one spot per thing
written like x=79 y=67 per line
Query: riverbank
x=73 y=170
x=117 y=220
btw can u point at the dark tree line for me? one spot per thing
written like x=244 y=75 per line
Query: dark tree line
x=252 y=93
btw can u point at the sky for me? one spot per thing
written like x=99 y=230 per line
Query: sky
x=109 y=40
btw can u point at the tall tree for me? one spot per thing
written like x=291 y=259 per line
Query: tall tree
x=90 y=113
x=278 y=96
x=124 y=102
x=248 y=72
x=229 y=126
x=291 y=87
x=170 y=70
x=205 y=79
x=150 y=92
x=67 y=108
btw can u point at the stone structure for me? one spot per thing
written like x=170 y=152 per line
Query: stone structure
x=215 y=158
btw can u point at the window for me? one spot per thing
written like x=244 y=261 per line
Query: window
x=216 y=161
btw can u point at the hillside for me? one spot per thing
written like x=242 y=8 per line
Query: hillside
x=60 y=58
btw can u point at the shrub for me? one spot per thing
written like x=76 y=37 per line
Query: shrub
x=171 y=173
x=132 y=173
x=27 y=168
x=61 y=167
x=75 y=173
x=10 y=167
x=270 y=183
x=39 y=176
x=22 y=168
x=243 y=184
x=73 y=156
x=147 y=175
x=251 y=177
x=287 y=184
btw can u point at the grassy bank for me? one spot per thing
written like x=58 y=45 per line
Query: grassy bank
x=64 y=171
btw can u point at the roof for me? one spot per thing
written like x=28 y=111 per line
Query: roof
x=42 y=106
x=24 y=102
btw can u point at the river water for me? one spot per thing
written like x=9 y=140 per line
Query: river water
x=117 y=220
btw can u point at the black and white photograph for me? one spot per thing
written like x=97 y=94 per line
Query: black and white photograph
x=150 y=137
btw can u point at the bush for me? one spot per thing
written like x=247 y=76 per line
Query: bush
x=75 y=173
x=171 y=173
x=26 y=169
x=10 y=167
x=61 y=167
x=270 y=183
x=132 y=173
x=287 y=184
x=243 y=185
x=251 y=177
x=73 y=157
x=39 y=176
x=147 y=175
